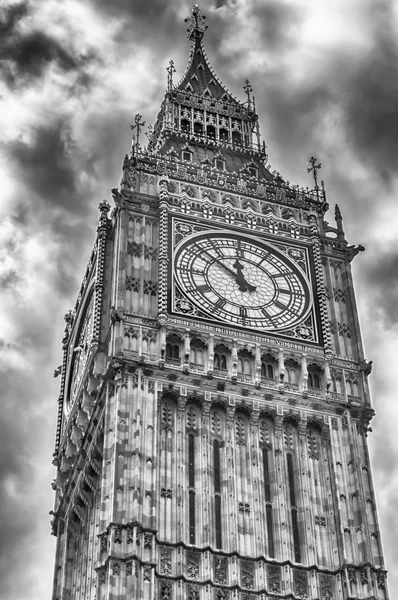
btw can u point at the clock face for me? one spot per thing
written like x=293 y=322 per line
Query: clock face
x=242 y=280
x=79 y=352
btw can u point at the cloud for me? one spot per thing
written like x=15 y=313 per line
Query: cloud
x=26 y=53
x=381 y=277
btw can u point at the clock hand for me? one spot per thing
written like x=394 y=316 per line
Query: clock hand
x=244 y=285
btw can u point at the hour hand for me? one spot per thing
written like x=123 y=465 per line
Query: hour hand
x=244 y=285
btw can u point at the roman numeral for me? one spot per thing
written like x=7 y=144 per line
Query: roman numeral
x=203 y=288
x=221 y=302
x=243 y=313
x=280 y=305
x=240 y=252
x=268 y=316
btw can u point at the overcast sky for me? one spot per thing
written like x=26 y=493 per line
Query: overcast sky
x=73 y=75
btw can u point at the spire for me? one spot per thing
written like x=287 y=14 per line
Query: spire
x=197 y=27
x=199 y=78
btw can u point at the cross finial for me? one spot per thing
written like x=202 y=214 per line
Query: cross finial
x=314 y=168
x=197 y=28
x=138 y=125
x=170 y=70
x=248 y=89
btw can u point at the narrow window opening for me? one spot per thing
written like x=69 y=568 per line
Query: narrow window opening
x=185 y=126
x=217 y=492
x=267 y=492
x=293 y=509
x=186 y=155
x=198 y=128
x=223 y=135
x=191 y=484
x=236 y=137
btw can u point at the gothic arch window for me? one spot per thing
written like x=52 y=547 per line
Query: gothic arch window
x=221 y=359
x=223 y=135
x=245 y=365
x=198 y=128
x=211 y=132
x=173 y=350
x=337 y=385
x=236 y=137
x=292 y=368
x=315 y=376
x=352 y=388
x=185 y=128
x=197 y=355
x=268 y=367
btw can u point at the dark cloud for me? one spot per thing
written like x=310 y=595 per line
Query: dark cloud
x=381 y=280
x=25 y=53
x=278 y=24
x=372 y=107
x=51 y=163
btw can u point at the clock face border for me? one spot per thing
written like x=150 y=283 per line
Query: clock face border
x=180 y=228
x=75 y=354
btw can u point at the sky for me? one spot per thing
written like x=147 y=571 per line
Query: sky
x=73 y=75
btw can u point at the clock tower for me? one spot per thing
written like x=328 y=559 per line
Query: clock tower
x=214 y=403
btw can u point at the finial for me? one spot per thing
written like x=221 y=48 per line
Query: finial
x=197 y=28
x=137 y=127
x=314 y=169
x=248 y=89
x=170 y=70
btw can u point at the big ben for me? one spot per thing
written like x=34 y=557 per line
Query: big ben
x=214 y=404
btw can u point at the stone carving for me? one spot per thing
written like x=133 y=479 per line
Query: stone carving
x=148 y=541
x=150 y=287
x=165 y=561
x=116 y=567
x=165 y=592
x=215 y=423
x=166 y=493
x=193 y=566
x=193 y=592
x=300 y=584
x=103 y=538
x=264 y=432
x=129 y=567
x=313 y=451
x=134 y=248
x=320 y=521
x=381 y=579
x=133 y=284
x=221 y=594
x=364 y=575
x=247 y=575
x=244 y=507
x=288 y=436
x=220 y=570
x=130 y=533
x=240 y=431
x=274 y=580
x=167 y=417
x=117 y=536
x=148 y=574
x=325 y=584
x=191 y=417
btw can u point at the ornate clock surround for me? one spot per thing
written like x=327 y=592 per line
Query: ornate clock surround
x=295 y=254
